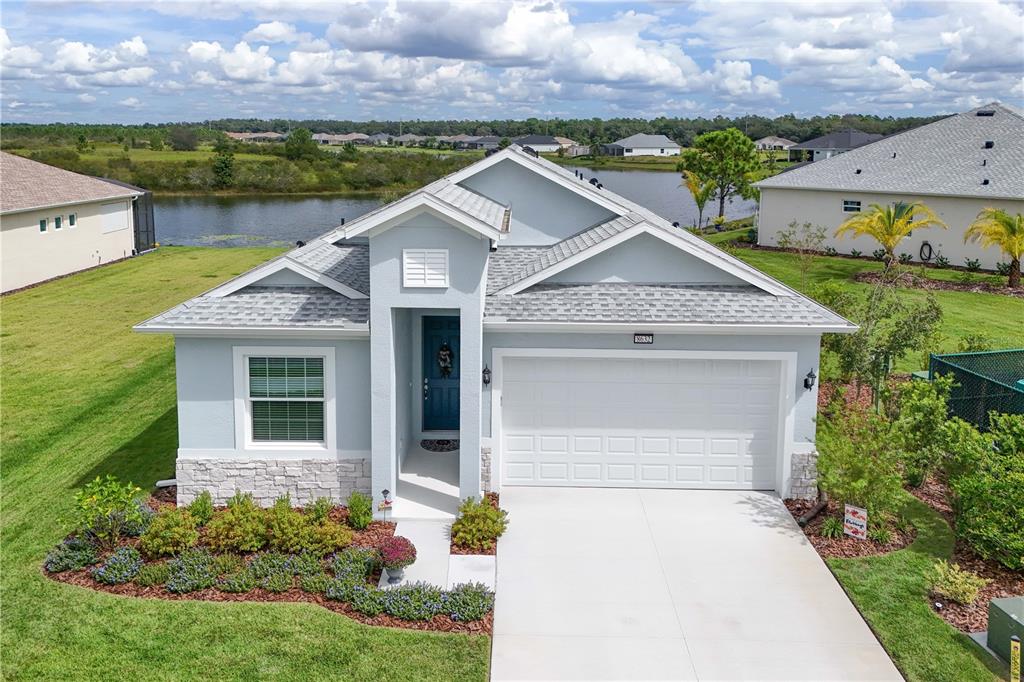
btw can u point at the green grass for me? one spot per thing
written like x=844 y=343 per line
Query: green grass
x=368 y=149
x=891 y=591
x=84 y=396
x=996 y=316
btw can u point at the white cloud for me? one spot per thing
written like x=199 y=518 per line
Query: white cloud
x=272 y=32
x=131 y=103
x=134 y=48
x=86 y=98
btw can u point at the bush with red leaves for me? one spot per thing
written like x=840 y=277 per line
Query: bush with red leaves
x=397 y=552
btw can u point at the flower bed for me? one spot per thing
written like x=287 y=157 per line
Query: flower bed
x=478 y=526
x=244 y=553
x=845 y=546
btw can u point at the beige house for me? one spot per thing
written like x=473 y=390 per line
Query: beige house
x=957 y=166
x=54 y=222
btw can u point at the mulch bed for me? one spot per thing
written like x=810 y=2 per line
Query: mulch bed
x=912 y=281
x=853 y=396
x=435 y=624
x=1004 y=582
x=456 y=549
x=845 y=547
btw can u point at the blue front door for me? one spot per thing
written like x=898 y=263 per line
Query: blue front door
x=441 y=373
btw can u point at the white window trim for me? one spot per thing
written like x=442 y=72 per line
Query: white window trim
x=43 y=231
x=424 y=285
x=58 y=222
x=243 y=404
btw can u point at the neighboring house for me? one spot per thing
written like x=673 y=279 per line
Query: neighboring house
x=565 y=142
x=563 y=334
x=54 y=222
x=539 y=143
x=257 y=137
x=957 y=166
x=642 y=144
x=827 y=146
x=380 y=139
x=408 y=140
x=463 y=141
x=578 y=150
x=485 y=142
x=773 y=143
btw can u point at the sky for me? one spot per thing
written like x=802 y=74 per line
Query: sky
x=180 y=60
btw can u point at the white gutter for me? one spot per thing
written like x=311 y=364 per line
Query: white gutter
x=76 y=202
x=360 y=332
x=501 y=324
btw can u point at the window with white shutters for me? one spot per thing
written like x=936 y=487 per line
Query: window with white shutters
x=425 y=267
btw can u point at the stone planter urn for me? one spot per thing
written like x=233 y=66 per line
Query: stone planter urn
x=395 y=554
x=395 y=575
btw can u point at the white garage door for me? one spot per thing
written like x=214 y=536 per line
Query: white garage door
x=640 y=422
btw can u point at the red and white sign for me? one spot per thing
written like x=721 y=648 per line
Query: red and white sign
x=855 y=522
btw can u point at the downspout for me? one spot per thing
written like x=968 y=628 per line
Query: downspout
x=815 y=510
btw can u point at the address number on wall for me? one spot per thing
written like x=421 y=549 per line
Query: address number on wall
x=643 y=339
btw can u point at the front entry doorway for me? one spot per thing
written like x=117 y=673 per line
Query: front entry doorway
x=441 y=357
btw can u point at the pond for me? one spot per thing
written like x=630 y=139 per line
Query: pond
x=282 y=220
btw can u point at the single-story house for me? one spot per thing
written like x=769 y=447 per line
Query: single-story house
x=539 y=143
x=408 y=140
x=484 y=142
x=462 y=140
x=257 y=137
x=957 y=166
x=578 y=150
x=773 y=142
x=561 y=334
x=565 y=142
x=380 y=139
x=642 y=144
x=54 y=222
x=837 y=142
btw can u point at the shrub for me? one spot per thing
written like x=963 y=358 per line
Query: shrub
x=281 y=581
x=360 y=510
x=880 y=533
x=228 y=563
x=305 y=563
x=315 y=584
x=238 y=582
x=855 y=253
x=972 y=264
x=367 y=600
x=133 y=528
x=832 y=528
x=905 y=259
x=917 y=426
x=1003 y=268
x=106 y=508
x=120 y=567
x=965 y=447
x=357 y=562
x=287 y=529
x=857 y=464
x=479 y=525
x=941 y=262
x=319 y=509
x=972 y=343
x=151 y=575
x=341 y=589
x=172 y=531
x=469 y=601
x=242 y=527
x=74 y=553
x=193 y=569
x=269 y=563
x=988 y=496
x=414 y=601
x=327 y=537
x=878 y=254
x=202 y=508
x=954 y=583
x=830 y=251
x=397 y=552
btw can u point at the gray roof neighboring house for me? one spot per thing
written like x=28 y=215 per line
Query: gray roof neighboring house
x=645 y=141
x=527 y=140
x=848 y=138
x=774 y=141
x=947 y=157
x=28 y=184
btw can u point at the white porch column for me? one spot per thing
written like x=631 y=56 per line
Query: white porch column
x=382 y=402
x=470 y=404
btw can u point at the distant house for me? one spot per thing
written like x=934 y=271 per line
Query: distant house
x=485 y=142
x=257 y=137
x=324 y=138
x=54 y=222
x=827 y=146
x=380 y=139
x=539 y=143
x=565 y=142
x=642 y=144
x=773 y=142
x=578 y=150
x=957 y=166
x=346 y=138
x=354 y=138
x=462 y=140
x=408 y=140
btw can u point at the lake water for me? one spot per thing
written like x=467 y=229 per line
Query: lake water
x=282 y=220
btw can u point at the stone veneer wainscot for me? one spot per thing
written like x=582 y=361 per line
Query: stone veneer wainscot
x=804 y=485
x=268 y=479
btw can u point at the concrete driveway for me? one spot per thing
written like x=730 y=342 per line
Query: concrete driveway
x=610 y=584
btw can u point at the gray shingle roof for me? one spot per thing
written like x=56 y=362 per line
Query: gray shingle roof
x=348 y=264
x=947 y=157
x=28 y=184
x=255 y=306
x=848 y=138
x=657 y=303
x=644 y=140
x=476 y=205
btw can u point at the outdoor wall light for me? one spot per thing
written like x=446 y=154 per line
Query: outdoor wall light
x=809 y=380
x=487 y=375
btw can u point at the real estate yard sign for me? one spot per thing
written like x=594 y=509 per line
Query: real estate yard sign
x=855 y=522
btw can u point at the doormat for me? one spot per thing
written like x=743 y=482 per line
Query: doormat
x=440 y=445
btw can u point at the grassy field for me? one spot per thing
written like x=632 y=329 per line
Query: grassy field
x=84 y=396
x=998 y=317
x=891 y=592
x=652 y=163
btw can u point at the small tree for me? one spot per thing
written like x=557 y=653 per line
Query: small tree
x=156 y=142
x=301 y=145
x=183 y=139
x=727 y=157
x=996 y=227
x=504 y=142
x=889 y=225
x=224 y=170
x=701 y=190
x=806 y=240
x=83 y=143
x=918 y=410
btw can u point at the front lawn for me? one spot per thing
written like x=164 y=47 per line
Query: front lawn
x=891 y=592
x=84 y=396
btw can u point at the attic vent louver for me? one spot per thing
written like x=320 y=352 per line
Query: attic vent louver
x=986 y=112
x=989 y=144
x=985 y=181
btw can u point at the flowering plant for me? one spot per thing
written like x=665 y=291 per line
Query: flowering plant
x=397 y=552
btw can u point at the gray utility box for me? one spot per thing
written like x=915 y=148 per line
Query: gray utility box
x=1005 y=619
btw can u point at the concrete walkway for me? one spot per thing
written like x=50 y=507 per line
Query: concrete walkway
x=612 y=584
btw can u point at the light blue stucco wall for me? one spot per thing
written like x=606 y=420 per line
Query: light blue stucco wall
x=806 y=347
x=543 y=212
x=205 y=381
x=644 y=259
x=467 y=258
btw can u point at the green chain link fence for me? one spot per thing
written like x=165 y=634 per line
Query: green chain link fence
x=983 y=382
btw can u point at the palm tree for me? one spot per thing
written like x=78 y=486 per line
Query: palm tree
x=996 y=227
x=701 y=191
x=889 y=225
